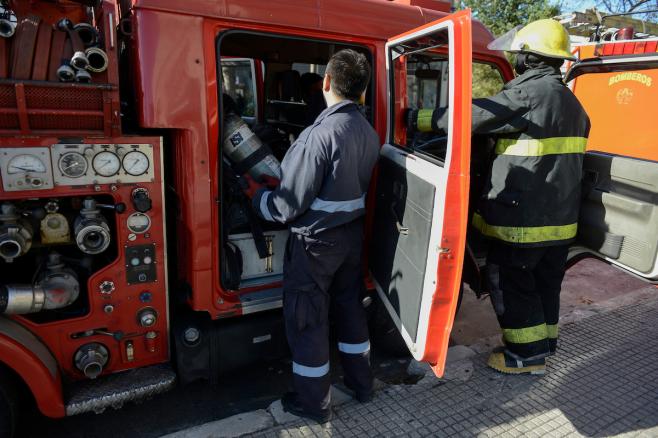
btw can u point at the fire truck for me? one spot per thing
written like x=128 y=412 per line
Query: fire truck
x=615 y=80
x=129 y=259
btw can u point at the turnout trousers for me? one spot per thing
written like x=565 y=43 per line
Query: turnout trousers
x=320 y=272
x=525 y=293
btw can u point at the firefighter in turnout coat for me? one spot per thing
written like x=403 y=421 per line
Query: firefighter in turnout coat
x=325 y=177
x=530 y=205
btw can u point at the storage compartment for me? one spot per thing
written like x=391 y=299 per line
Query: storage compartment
x=58 y=70
x=257 y=271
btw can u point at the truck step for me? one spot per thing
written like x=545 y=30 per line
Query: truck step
x=116 y=389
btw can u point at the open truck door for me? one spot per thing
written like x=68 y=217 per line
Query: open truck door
x=619 y=212
x=419 y=229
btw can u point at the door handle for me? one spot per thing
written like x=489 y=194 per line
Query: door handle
x=398 y=224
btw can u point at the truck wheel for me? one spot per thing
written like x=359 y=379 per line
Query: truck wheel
x=9 y=405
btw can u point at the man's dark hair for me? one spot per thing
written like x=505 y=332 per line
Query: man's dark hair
x=350 y=73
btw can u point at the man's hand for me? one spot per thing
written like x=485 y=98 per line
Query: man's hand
x=270 y=182
x=250 y=186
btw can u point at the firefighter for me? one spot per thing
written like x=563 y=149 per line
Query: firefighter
x=529 y=208
x=325 y=176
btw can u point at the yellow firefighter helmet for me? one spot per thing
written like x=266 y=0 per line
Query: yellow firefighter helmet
x=542 y=37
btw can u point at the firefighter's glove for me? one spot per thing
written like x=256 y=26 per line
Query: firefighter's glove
x=425 y=120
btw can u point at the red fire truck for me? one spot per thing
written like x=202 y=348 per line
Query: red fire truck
x=129 y=259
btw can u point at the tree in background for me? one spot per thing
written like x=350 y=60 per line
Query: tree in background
x=619 y=6
x=500 y=16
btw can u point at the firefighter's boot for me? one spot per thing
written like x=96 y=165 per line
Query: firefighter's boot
x=506 y=362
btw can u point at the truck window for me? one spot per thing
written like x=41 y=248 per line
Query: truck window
x=422 y=81
x=238 y=76
x=487 y=80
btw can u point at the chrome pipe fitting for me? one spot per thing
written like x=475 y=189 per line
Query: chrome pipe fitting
x=98 y=60
x=15 y=233
x=92 y=233
x=91 y=359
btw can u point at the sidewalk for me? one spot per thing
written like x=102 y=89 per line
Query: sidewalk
x=602 y=382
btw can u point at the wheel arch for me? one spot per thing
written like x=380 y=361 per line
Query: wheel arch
x=26 y=356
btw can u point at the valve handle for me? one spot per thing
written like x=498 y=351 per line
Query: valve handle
x=119 y=208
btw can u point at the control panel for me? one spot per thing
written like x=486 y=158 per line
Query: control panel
x=75 y=165
x=83 y=251
x=141 y=264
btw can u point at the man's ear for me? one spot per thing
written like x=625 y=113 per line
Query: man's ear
x=326 y=83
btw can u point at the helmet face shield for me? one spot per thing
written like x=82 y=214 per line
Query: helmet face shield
x=505 y=41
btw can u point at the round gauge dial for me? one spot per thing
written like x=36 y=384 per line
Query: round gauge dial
x=25 y=163
x=139 y=223
x=73 y=165
x=135 y=163
x=106 y=163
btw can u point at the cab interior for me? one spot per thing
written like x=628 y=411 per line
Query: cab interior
x=275 y=85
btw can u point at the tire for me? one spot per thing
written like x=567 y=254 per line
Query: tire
x=9 y=404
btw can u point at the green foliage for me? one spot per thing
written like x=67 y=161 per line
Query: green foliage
x=499 y=16
x=486 y=80
x=502 y=15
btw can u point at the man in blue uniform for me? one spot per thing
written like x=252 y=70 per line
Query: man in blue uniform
x=325 y=177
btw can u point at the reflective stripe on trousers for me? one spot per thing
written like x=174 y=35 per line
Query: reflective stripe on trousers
x=305 y=371
x=533 y=147
x=525 y=335
x=339 y=206
x=531 y=334
x=363 y=347
x=525 y=234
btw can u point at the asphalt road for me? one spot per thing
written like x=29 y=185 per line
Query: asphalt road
x=590 y=282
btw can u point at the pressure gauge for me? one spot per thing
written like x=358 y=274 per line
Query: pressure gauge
x=139 y=223
x=106 y=163
x=25 y=163
x=73 y=165
x=135 y=163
